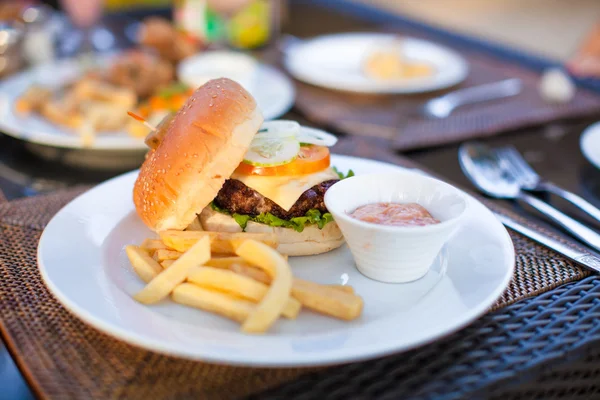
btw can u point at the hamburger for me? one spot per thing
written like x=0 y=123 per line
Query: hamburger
x=218 y=163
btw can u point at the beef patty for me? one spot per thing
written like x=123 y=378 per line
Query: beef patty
x=237 y=198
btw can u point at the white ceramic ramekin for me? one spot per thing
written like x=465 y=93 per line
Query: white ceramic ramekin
x=390 y=253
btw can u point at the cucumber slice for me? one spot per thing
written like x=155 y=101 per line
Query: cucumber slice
x=316 y=136
x=273 y=151
x=280 y=128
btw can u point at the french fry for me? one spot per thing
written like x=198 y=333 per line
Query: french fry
x=239 y=285
x=168 y=279
x=33 y=99
x=241 y=267
x=274 y=301
x=122 y=97
x=180 y=241
x=343 y=288
x=213 y=301
x=58 y=113
x=327 y=300
x=143 y=265
x=234 y=275
x=221 y=242
x=251 y=272
x=228 y=262
x=165 y=254
x=103 y=116
x=335 y=300
x=292 y=308
x=87 y=133
x=153 y=244
x=238 y=265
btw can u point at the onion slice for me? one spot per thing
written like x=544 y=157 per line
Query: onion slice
x=278 y=129
x=270 y=152
x=278 y=143
x=317 y=137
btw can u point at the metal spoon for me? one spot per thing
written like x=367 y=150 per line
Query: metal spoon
x=481 y=166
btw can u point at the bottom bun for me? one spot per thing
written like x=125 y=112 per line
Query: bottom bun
x=310 y=241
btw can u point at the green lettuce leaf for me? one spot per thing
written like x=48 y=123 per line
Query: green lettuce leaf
x=172 y=90
x=341 y=174
x=242 y=220
x=298 y=223
x=218 y=209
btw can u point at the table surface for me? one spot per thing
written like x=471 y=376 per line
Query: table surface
x=553 y=150
x=549 y=28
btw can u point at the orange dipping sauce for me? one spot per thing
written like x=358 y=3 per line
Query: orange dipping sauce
x=394 y=214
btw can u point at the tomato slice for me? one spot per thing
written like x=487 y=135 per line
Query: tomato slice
x=310 y=159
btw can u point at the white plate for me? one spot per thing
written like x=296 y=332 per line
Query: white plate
x=590 y=144
x=275 y=95
x=274 y=92
x=82 y=261
x=334 y=61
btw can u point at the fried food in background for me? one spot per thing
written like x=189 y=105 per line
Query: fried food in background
x=389 y=64
x=33 y=99
x=158 y=110
x=172 y=45
x=100 y=91
x=62 y=111
x=141 y=72
x=142 y=80
x=85 y=101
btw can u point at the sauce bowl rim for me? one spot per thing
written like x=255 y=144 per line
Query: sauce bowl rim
x=442 y=225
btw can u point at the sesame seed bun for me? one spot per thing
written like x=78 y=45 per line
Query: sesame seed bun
x=202 y=146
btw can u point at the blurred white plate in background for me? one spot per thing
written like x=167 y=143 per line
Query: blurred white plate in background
x=274 y=93
x=36 y=129
x=335 y=62
x=272 y=90
x=590 y=144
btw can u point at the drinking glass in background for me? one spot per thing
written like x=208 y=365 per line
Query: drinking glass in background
x=11 y=42
x=84 y=16
x=40 y=34
x=26 y=35
x=240 y=24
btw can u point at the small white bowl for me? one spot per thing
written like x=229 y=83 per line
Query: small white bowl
x=196 y=70
x=391 y=253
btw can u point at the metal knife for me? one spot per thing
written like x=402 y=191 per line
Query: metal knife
x=586 y=259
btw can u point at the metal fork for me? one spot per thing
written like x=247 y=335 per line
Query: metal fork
x=481 y=165
x=529 y=180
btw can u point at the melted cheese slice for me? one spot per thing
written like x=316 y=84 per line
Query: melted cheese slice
x=285 y=190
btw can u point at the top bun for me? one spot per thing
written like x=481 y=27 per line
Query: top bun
x=203 y=145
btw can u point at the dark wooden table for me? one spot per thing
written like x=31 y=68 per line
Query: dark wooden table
x=553 y=150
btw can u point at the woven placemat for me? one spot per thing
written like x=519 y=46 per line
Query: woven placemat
x=396 y=117
x=62 y=357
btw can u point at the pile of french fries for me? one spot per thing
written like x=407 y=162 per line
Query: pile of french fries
x=86 y=101
x=239 y=276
